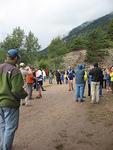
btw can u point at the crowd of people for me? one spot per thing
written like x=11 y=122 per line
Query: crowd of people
x=17 y=84
x=33 y=79
x=96 y=78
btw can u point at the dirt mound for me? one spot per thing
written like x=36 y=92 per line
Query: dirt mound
x=73 y=58
x=76 y=57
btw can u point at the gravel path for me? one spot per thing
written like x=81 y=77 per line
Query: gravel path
x=57 y=122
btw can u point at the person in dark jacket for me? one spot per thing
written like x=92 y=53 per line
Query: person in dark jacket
x=58 y=77
x=96 y=78
x=79 y=83
x=11 y=92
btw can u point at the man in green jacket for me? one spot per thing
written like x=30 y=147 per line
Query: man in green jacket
x=11 y=91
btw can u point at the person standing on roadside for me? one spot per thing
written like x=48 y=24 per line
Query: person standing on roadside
x=39 y=79
x=24 y=73
x=50 y=77
x=29 y=81
x=79 y=79
x=58 y=77
x=96 y=73
x=11 y=92
x=70 y=77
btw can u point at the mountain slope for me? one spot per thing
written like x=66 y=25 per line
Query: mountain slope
x=85 y=28
x=89 y=26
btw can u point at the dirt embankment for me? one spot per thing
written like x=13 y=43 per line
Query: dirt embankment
x=76 y=57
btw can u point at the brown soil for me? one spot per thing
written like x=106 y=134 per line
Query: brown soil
x=57 y=122
x=76 y=57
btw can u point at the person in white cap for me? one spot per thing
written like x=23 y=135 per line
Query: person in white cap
x=24 y=73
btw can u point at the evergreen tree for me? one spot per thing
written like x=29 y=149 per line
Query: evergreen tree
x=57 y=47
x=2 y=56
x=110 y=30
x=95 y=43
x=15 y=40
x=31 y=47
x=56 y=50
x=28 y=46
x=77 y=43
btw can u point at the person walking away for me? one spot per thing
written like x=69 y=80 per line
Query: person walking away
x=79 y=83
x=96 y=77
x=29 y=81
x=111 y=75
x=11 y=92
x=23 y=72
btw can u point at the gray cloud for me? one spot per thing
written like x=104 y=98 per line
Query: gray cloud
x=49 y=18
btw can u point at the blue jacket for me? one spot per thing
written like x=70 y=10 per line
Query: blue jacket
x=70 y=75
x=108 y=79
x=89 y=78
x=80 y=75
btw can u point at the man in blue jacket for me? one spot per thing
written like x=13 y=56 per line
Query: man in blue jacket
x=79 y=83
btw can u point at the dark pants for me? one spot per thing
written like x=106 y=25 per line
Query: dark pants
x=59 y=81
x=89 y=89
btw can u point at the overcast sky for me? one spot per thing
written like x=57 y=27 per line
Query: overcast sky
x=48 y=19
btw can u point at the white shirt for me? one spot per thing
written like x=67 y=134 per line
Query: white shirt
x=38 y=73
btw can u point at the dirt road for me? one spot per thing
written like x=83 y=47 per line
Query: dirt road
x=57 y=122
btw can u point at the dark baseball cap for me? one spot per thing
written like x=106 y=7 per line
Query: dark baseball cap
x=13 y=53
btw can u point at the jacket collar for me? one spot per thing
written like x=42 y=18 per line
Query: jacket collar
x=10 y=62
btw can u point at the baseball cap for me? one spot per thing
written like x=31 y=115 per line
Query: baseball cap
x=13 y=53
x=22 y=64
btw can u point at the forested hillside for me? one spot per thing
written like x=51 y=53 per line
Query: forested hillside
x=87 y=27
